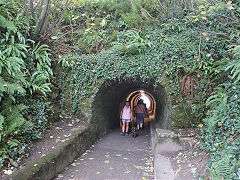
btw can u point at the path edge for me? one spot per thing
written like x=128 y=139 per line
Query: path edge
x=47 y=167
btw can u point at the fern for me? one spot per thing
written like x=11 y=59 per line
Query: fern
x=7 y=24
x=40 y=77
x=234 y=66
x=13 y=118
x=131 y=42
x=222 y=169
x=218 y=98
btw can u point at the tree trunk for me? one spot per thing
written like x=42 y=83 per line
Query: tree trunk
x=25 y=2
x=32 y=9
x=41 y=18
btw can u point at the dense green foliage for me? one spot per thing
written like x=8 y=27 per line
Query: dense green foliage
x=24 y=71
x=179 y=43
x=198 y=45
x=221 y=134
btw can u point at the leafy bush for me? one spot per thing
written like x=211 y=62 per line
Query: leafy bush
x=130 y=42
x=221 y=136
x=25 y=68
x=196 y=45
x=37 y=113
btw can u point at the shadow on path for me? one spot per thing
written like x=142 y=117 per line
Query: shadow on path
x=114 y=157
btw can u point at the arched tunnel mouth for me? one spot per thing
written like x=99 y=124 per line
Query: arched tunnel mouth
x=112 y=92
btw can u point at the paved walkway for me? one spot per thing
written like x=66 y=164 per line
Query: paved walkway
x=114 y=157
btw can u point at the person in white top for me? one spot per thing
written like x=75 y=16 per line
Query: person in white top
x=126 y=116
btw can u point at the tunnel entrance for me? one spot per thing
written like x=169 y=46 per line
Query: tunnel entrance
x=147 y=98
x=106 y=102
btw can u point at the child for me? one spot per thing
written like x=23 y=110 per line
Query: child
x=126 y=116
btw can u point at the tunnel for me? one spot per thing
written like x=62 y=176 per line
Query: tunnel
x=105 y=108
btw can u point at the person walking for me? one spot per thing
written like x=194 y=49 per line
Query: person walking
x=140 y=112
x=126 y=116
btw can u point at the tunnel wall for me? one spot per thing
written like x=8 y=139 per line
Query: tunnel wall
x=101 y=109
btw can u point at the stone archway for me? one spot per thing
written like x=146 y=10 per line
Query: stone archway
x=148 y=100
x=105 y=104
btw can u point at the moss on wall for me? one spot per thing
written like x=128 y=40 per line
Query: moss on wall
x=100 y=109
x=182 y=116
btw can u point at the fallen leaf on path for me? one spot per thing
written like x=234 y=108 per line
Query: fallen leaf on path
x=8 y=172
x=139 y=167
x=107 y=161
x=60 y=175
x=127 y=172
x=145 y=174
x=178 y=170
x=73 y=164
x=193 y=170
x=179 y=154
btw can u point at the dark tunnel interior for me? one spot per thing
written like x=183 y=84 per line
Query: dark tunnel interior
x=111 y=93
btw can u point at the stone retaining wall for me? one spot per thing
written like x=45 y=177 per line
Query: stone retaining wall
x=55 y=161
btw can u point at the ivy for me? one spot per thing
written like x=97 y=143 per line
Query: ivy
x=176 y=48
x=25 y=70
x=148 y=54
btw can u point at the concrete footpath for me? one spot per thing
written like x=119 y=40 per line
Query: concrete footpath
x=114 y=157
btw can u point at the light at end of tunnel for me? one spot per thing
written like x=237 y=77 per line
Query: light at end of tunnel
x=146 y=100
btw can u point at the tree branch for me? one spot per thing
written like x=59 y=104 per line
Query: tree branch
x=32 y=9
x=41 y=19
x=199 y=47
x=143 y=9
x=57 y=22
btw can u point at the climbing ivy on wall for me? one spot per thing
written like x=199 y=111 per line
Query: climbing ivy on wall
x=189 y=55
x=172 y=49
